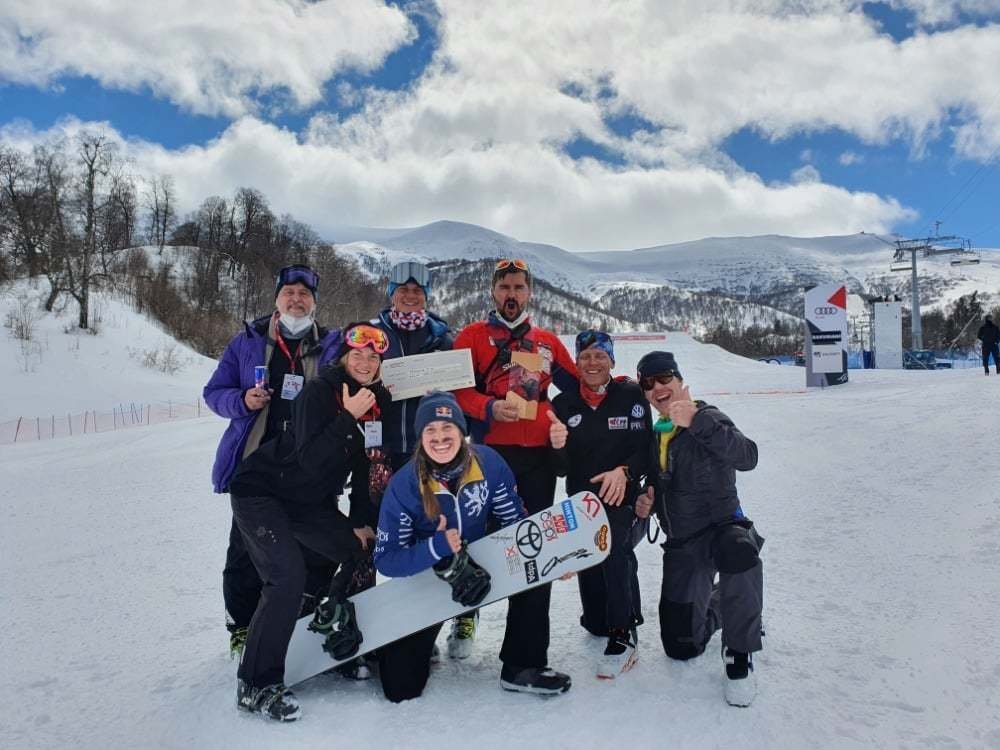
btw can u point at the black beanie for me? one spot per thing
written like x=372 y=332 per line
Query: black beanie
x=656 y=363
x=439 y=405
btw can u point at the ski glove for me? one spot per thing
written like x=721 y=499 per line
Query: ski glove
x=469 y=583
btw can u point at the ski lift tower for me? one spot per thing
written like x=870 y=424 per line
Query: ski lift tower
x=959 y=247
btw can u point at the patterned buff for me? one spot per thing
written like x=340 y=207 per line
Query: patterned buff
x=448 y=475
x=408 y=321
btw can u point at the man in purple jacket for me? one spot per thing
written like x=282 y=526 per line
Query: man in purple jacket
x=292 y=348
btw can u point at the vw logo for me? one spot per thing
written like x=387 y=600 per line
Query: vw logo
x=529 y=539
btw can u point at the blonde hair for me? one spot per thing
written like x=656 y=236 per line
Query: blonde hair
x=423 y=464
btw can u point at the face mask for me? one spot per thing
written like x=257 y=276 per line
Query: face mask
x=295 y=326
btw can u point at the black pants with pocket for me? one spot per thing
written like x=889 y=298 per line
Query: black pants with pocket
x=609 y=592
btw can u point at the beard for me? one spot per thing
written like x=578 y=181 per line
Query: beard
x=510 y=310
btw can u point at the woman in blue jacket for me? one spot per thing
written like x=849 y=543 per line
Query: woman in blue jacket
x=433 y=507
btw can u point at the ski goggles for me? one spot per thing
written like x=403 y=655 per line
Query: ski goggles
x=401 y=273
x=506 y=263
x=600 y=339
x=298 y=275
x=359 y=337
x=663 y=378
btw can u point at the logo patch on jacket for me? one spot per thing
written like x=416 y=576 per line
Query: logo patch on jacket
x=638 y=411
x=617 y=423
x=574 y=420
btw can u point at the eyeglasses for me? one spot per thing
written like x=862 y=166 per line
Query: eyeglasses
x=587 y=339
x=663 y=378
x=298 y=275
x=507 y=263
x=401 y=273
x=361 y=336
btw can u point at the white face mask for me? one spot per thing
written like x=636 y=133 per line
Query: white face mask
x=295 y=326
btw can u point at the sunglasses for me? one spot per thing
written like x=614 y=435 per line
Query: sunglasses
x=663 y=378
x=401 y=273
x=507 y=263
x=298 y=275
x=587 y=339
x=361 y=336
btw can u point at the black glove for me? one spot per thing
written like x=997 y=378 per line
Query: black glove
x=469 y=583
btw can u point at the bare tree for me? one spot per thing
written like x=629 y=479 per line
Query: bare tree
x=160 y=199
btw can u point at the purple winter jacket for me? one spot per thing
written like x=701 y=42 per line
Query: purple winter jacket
x=234 y=377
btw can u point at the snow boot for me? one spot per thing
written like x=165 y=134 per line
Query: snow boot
x=538 y=680
x=620 y=655
x=463 y=633
x=237 y=640
x=274 y=702
x=355 y=669
x=337 y=620
x=741 y=681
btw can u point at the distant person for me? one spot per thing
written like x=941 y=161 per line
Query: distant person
x=989 y=335
x=694 y=457
x=514 y=363
x=601 y=434
x=292 y=347
x=284 y=497
x=422 y=524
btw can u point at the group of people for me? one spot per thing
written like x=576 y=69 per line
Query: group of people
x=310 y=420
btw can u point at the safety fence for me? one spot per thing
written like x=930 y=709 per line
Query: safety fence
x=121 y=417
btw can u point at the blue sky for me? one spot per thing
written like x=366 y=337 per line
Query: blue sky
x=433 y=113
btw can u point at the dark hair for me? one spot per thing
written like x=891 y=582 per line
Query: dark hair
x=423 y=463
x=501 y=272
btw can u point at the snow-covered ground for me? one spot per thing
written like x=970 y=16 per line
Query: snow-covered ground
x=878 y=499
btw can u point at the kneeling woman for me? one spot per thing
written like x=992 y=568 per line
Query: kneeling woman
x=285 y=493
x=436 y=504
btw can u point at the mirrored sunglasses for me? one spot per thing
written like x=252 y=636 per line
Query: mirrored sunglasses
x=401 y=273
x=361 y=336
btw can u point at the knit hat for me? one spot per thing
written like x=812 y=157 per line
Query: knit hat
x=439 y=405
x=592 y=339
x=407 y=271
x=298 y=275
x=656 y=363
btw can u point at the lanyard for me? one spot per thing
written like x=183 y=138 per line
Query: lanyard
x=284 y=348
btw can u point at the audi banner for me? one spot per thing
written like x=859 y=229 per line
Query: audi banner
x=826 y=335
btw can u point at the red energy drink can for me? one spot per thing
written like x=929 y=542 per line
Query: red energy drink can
x=260 y=376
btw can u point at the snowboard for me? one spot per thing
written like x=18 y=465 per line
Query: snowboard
x=570 y=536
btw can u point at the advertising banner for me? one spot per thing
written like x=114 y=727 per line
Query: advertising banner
x=826 y=335
x=887 y=335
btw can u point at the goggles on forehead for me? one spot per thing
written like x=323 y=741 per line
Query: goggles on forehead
x=587 y=339
x=401 y=273
x=361 y=336
x=663 y=378
x=298 y=275
x=507 y=263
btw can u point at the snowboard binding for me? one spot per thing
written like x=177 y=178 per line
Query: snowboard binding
x=336 y=619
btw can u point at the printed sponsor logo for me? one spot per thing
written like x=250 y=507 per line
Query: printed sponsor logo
x=443 y=411
x=513 y=560
x=638 y=411
x=574 y=420
x=569 y=514
x=591 y=505
x=531 y=571
x=529 y=539
x=617 y=423
x=637 y=425
x=826 y=310
x=601 y=538
x=553 y=562
x=548 y=525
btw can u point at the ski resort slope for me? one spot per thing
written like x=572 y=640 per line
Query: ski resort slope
x=882 y=572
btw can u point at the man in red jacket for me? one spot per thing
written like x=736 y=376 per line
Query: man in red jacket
x=514 y=364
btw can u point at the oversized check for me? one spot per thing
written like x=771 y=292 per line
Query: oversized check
x=406 y=377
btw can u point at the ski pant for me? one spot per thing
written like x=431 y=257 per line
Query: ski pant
x=272 y=531
x=526 y=640
x=609 y=592
x=405 y=665
x=241 y=585
x=692 y=608
x=987 y=351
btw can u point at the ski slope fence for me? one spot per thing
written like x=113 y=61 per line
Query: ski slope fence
x=121 y=417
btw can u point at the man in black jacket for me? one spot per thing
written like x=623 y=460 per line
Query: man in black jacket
x=989 y=334
x=601 y=436
x=694 y=457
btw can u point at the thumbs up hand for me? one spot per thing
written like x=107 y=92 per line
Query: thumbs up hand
x=451 y=535
x=558 y=433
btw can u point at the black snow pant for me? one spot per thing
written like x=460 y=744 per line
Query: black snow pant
x=404 y=666
x=272 y=531
x=241 y=585
x=692 y=608
x=526 y=640
x=987 y=351
x=609 y=592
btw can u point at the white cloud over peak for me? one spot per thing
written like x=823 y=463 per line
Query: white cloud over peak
x=214 y=58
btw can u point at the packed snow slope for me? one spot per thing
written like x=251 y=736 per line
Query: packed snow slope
x=882 y=572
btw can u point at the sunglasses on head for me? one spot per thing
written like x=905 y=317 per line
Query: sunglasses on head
x=663 y=378
x=298 y=275
x=507 y=263
x=361 y=336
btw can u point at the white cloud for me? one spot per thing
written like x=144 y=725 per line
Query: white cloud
x=209 y=57
x=805 y=174
x=849 y=158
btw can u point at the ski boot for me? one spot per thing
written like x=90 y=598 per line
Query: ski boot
x=463 y=633
x=741 y=682
x=620 y=655
x=336 y=619
x=274 y=702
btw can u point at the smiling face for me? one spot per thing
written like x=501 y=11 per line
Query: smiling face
x=661 y=394
x=594 y=366
x=441 y=441
x=295 y=300
x=511 y=293
x=363 y=364
x=409 y=297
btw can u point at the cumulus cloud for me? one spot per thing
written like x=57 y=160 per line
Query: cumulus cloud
x=849 y=158
x=208 y=57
